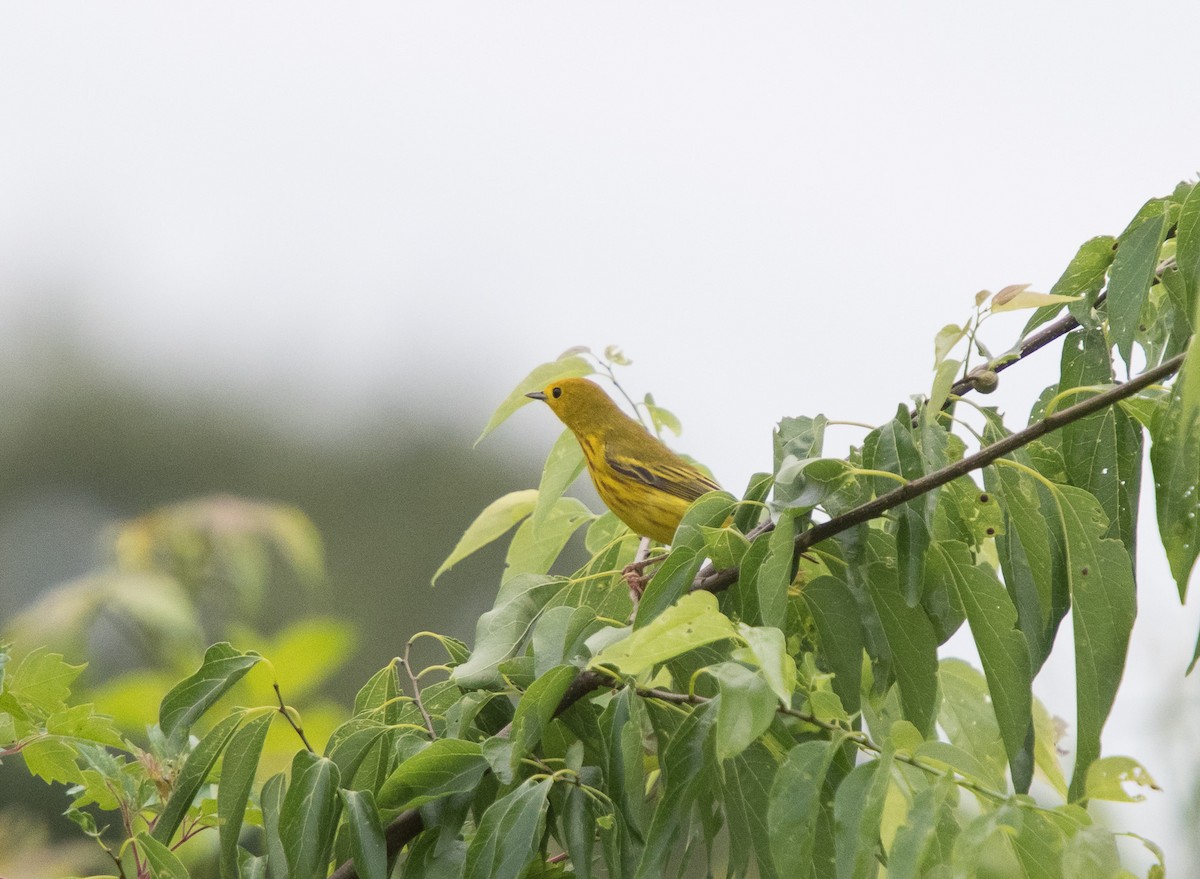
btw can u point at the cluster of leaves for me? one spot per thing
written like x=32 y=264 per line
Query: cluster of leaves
x=798 y=723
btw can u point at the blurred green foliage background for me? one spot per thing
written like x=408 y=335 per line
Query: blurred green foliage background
x=86 y=455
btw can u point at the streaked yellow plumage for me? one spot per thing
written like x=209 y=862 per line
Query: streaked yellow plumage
x=643 y=482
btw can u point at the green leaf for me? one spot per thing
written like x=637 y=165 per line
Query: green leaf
x=562 y=468
x=377 y=698
x=661 y=418
x=1091 y=853
x=496 y=518
x=620 y=726
x=857 y=813
x=607 y=532
x=192 y=776
x=685 y=772
x=943 y=380
x=968 y=719
x=536 y=710
x=749 y=514
x=1045 y=751
x=1003 y=651
x=1187 y=256
x=309 y=816
x=508 y=833
x=766 y=648
x=707 y=511
x=1085 y=275
x=237 y=778
x=560 y=637
x=945 y=340
x=761 y=593
x=1031 y=556
x=804 y=483
x=367 y=844
x=944 y=755
x=1103 y=451
x=745 y=784
x=502 y=629
x=190 y=698
x=271 y=801
x=795 y=803
x=579 y=823
x=745 y=710
x=1103 y=598
x=913 y=645
x=839 y=633
x=1107 y=777
x=1038 y=846
x=796 y=439
x=535 y=547
x=1175 y=460
x=570 y=365
x=41 y=682
x=1130 y=279
x=52 y=760
x=350 y=744
x=446 y=766
x=81 y=722
x=672 y=579
x=918 y=834
x=1187 y=243
x=161 y=860
x=799 y=437
x=724 y=546
x=693 y=621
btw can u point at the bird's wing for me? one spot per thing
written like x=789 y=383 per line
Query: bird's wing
x=680 y=480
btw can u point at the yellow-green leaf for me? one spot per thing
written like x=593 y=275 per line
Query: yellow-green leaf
x=1022 y=298
x=570 y=365
x=693 y=621
x=1106 y=779
x=496 y=518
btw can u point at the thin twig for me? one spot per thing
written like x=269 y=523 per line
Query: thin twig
x=417 y=690
x=860 y=738
x=1031 y=343
x=294 y=721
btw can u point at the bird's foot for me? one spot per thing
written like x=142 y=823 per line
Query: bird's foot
x=635 y=580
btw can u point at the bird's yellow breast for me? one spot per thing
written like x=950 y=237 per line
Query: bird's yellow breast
x=645 y=509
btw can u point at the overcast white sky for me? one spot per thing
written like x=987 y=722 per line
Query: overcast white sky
x=772 y=207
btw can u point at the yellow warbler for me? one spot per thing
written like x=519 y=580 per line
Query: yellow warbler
x=643 y=482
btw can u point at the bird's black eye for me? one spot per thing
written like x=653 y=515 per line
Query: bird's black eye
x=556 y=393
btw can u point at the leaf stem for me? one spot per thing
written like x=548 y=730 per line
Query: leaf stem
x=417 y=689
x=294 y=721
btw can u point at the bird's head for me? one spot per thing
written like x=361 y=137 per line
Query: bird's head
x=578 y=403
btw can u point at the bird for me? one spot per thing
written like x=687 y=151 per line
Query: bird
x=644 y=483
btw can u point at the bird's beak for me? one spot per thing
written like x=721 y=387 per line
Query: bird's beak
x=537 y=395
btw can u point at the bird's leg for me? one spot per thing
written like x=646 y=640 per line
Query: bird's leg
x=634 y=578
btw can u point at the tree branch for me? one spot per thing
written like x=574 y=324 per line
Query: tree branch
x=1031 y=343
x=919 y=486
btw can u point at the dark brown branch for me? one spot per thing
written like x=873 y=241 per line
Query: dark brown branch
x=930 y=481
x=1031 y=343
